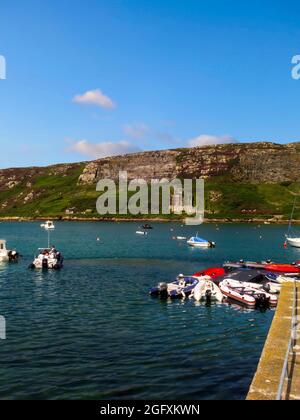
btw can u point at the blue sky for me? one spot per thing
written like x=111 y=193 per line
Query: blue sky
x=160 y=74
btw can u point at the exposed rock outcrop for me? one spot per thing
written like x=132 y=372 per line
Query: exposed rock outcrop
x=250 y=163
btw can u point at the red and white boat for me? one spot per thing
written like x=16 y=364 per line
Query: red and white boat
x=242 y=293
x=212 y=272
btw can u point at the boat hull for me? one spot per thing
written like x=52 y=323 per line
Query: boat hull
x=295 y=242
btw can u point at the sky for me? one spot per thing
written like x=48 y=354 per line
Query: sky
x=107 y=77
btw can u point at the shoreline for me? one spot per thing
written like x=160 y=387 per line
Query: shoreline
x=138 y=220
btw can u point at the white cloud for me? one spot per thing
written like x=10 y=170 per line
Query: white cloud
x=94 y=97
x=137 y=131
x=99 y=150
x=207 y=140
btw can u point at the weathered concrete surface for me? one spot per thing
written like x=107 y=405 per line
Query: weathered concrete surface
x=266 y=380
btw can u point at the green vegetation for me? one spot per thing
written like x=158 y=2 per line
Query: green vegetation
x=49 y=195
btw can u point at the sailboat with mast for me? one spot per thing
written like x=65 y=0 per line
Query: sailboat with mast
x=290 y=239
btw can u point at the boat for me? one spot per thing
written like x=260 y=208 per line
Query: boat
x=180 y=238
x=181 y=288
x=6 y=254
x=48 y=259
x=248 y=296
x=283 y=268
x=294 y=241
x=245 y=264
x=147 y=227
x=197 y=242
x=253 y=278
x=279 y=278
x=141 y=232
x=213 y=272
x=207 y=290
x=48 y=225
x=264 y=265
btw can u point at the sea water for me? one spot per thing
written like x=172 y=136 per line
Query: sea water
x=91 y=330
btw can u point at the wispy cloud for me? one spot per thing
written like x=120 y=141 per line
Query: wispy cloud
x=137 y=131
x=207 y=140
x=95 y=97
x=104 y=149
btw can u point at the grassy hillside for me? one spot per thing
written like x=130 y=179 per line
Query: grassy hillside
x=50 y=195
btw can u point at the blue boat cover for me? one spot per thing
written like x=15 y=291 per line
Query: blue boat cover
x=196 y=239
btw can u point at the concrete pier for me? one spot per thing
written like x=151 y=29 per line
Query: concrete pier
x=267 y=378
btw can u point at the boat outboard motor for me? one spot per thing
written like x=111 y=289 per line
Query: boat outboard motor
x=267 y=288
x=163 y=290
x=45 y=263
x=208 y=295
x=262 y=301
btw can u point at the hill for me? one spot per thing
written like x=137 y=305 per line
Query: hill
x=243 y=181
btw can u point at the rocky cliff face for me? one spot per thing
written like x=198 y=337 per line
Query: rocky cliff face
x=243 y=180
x=252 y=163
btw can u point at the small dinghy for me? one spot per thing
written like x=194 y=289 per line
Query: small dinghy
x=7 y=255
x=252 y=278
x=181 y=288
x=248 y=296
x=207 y=290
x=213 y=272
x=48 y=259
x=277 y=278
x=147 y=227
x=283 y=268
x=197 y=242
x=245 y=264
x=141 y=232
x=180 y=238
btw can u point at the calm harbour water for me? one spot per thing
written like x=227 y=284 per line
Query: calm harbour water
x=91 y=331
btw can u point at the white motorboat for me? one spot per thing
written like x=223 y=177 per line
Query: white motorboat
x=48 y=258
x=141 y=232
x=207 y=290
x=197 y=242
x=6 y=254
x=48 y=225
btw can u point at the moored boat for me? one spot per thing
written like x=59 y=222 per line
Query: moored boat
x=48 y=259
x=181 y=288
x=294 y=240
x=141 y=232
x=213 y=272
x=248 y=296
x=283 y=268
x=147 y=227
x=197 y=242
x=7 y=255
x=48 y=225
x=207 y=290
x=253 y=278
